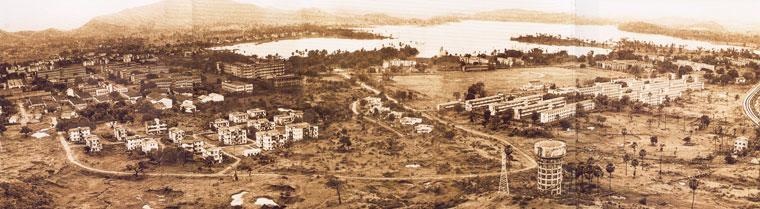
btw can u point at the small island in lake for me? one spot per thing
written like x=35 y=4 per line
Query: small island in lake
x=547 y=39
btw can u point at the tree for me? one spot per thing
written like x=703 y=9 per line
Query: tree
x=693 y=184
x=2 y=129
x=634 y=163
x=653 y=140
x=610 y=169
x=345 y=142
x=25 y=131
x=626 y=158
x=704 y=122
x=535 y=117
x=730 y=159
x=335 y=183
x=642 y=154
x=687 y=140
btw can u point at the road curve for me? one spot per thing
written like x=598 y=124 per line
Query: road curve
x=747 y=104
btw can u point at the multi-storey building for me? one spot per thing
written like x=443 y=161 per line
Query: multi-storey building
x=284 y=81
x=469 y=105
x=238 y=117
x=78 y=134
x=233 y=135
x=524 y=111
x=120 y=133
x=256 y=113
x=155 y=127
x=261 y=124
x=149 y=145
x=93 y=143
x=299 y=131
x=259 y=70
x=268 y=140
x=176 y=135
x=236 y=86
x=219 y=123
x=555 y=114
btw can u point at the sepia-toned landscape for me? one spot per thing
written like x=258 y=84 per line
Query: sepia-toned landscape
x=369 y=104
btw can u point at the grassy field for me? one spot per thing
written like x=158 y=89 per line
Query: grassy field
x=440 y=87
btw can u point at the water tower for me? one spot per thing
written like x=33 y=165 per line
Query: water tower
x=550 y=155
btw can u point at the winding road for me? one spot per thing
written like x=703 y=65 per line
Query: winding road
x=749 y=110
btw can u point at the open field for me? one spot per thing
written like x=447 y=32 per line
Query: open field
x=440 y=87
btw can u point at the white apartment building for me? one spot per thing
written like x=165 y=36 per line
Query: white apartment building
x=268 y=140
x=236 y=86
x=233 y=135
x=524 y=111
x=299 y=131
x=193 y=146
x=219 y=123
x=120 y=133
x=133 y=142
x=516 y=102
x=155 y=127
x=214 y=153
x=283 y=119
x=399 y=63
x=469 y=105
x=93 y=143
x=551 y=115
x=79 y=134
x=149 y=145
x=261 y=124
x=176 y=135
x=188 y=107
x=238 y=117
x=256 y=113
x=740 y=144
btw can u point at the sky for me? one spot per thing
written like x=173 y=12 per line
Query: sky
x=16 y=15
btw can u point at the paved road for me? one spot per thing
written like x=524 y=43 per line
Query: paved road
x=748 y=105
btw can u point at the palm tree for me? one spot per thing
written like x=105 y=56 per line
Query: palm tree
x=634 y=163
x=634 y=145
x=662 y=148
x=624 y=132
x=335 y=183
x=642 y=154
x=693 y=184
x=626 y=158
x=610 y=168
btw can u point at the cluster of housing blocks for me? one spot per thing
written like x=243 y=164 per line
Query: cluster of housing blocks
x=269 y=134
x=649 y=91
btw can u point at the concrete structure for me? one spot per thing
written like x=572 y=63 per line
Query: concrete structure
x=533 y=86
x=556 y=114
x=176 y=135
x=79 y=134
x=740 y=144
x=469 y=105
x=696 y=66
x=149 y=145
x=550 y=162
x=93 y=143
x=188 y=107
x=261 y=124
x=120 y=133
x=251 y=152
x=410 y=121
x=299 y=131
x=155 y=127
x=256 y=113
x=233 y=135
x=133 y=142
x=238 y=117
x=219 y=123
x=214 y=154
x=268 y=140
x=236 y=86
x=423 y=128
x=399 y=63
x=258 y=70
x=285 y=81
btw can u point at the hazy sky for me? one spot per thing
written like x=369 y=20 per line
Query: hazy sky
x=18 y=15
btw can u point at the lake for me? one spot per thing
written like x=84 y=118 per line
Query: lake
x=466 y=37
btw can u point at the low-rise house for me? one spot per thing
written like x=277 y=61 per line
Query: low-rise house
x=93 y=144
x=212 y=97
x=399 y=63
x=176 y=135
x=233 y=135
x=251 y=152
x=79 y=134
x=149 y=145
x=423 y=128
x=256 y=113
x=69 y=114
x=155 y=127
x=14 y=83
x=410 y=120
x=238 y=117
x=533 y=86
x=187 y=106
